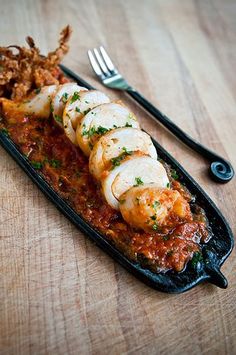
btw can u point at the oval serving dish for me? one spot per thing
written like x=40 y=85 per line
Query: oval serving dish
x=214 y=252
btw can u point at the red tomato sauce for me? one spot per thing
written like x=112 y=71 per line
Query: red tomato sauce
x=65 y=168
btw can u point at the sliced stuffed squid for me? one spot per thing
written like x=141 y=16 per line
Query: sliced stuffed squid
x=38 y=105
x=135 y=171
x=78 y=104
x=150 y=207
x=60 y=99
x=112 y=148
x=100 y=120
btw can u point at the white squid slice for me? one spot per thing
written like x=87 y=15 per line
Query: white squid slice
x=117 y=142
x=150 y=207
x=133 y=172
x=77 y=106
x=101 y=119
x=87 y=100
x=38 y=105
x=60 y=99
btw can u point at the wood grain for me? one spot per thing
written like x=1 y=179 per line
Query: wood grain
x=60 y=294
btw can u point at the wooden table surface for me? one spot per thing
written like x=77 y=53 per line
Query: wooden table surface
x=59 y=293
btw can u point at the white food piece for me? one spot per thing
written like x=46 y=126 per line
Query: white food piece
x=87 y=100
x=150 y=207
x=104 y=117
x=38 y=105
x=77 y=106
x=136 y=170
x=60 y=99
x=117 y=142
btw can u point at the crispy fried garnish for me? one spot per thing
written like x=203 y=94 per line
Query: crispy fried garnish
x=27 y=69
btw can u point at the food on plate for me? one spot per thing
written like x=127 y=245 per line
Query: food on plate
x=78 y=105
x=60 y=99
x=100 y=120
x=114 y=146
x=37 y=104
x=27 y=69
x=95 y=156
x=151 y=207
x=137 y=170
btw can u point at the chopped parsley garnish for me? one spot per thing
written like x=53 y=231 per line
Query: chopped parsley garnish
x=37 y=91
x=138 y=181
x=117 y=160
x=87 y=111
x=87 y=102
x=102 y=130
x=77 y=109
x=168 y=185
x=55 y=163
x=58 y=118
x=51 y=106
x=154 y=217
x=156 y=204
x=166 y=237
x=89 y=132
x=37 y=164
x=170 y=253
x=128 y=124
x=155 y=226
x=197 y=257
x=174 y=175
x=92 y=131
x=75 y=97
x=5 y=131
x=64 y=98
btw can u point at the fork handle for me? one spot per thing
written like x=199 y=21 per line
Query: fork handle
x=220 y=169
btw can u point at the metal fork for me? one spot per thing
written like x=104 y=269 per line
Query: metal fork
x=220 y=169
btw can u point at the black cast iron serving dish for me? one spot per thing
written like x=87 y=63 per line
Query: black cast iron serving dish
x=214 y=252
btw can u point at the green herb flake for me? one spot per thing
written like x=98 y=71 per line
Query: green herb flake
x=37 y=164
x=5 y=131
x=156 y=204
x=55 y=163
x=169 y=253
x=77 y=109
x=117 y=160
x=58 y=118
x=102 y=130
x=138 y=181
x=197 y=257
x=155 y=227
x=166 y=237
x=37 y=91
x=128 y=124
x=174 y=175
x=64 y=98
x=75 y=97
x=168 y=185
x=51 y=106
x=87 y=102
x=154 y=217
x=87 y=111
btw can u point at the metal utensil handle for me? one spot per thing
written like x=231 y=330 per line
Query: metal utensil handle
x=221 y=170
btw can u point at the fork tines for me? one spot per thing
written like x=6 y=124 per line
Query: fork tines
x=101 y=62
